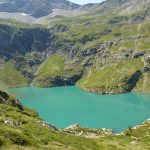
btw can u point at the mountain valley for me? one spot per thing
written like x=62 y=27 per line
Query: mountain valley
x=103 y=48
x=81 y=47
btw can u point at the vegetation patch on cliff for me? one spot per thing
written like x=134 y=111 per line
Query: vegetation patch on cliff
x=50 y=69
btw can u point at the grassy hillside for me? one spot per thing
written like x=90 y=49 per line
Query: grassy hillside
x=22 y=129
x=143 y=86
x=29 y=133
x=48 y=70
x=57 y=71
x=112 y=79
x=53 y=66
x=102 y=39
x=90 y=31
x=10 y=77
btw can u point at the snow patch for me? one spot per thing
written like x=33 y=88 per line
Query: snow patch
x=23 y=14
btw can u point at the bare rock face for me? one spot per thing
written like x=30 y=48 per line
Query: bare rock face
x=78 y=130
x=48 y=125
x=137 y=54
x=73 y=127
x=10 y=123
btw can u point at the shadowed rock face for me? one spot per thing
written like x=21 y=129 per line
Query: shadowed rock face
x=24 y=40
x=133 y=81
x=36 y=8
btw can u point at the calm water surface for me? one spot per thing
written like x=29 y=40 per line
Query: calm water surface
x=64 y=106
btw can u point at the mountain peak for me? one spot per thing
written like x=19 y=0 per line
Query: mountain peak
x=36 y=8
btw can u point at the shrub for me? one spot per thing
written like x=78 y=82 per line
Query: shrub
x=17 y=138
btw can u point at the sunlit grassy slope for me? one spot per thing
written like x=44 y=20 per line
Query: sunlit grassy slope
x=113 y=78
x=10 y=77
x=30 y=134
x=89 y=31
x=143 y=86
x=53 y=66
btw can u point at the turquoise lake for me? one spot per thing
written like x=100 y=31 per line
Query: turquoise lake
x=63 y=106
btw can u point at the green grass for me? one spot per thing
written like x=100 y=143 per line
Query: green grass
x=31 y=135
x=138 y=45
x=18 y=24
x=54 y=65
x=111 y=79
x=48 y=70
x=10 y=77
x=89 y=31
x=124 y=46
x=55 y=68
x=143 y=86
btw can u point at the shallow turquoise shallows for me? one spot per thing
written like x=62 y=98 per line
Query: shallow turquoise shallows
x=64 y=106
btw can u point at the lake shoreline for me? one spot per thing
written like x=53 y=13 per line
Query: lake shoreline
x=73 y=98
x=77 y=130
x=83 y=89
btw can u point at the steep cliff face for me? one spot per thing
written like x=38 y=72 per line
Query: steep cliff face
x=15 y=39
x=36 y=8
x=22 y=49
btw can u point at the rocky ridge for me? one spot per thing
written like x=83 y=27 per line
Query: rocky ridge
x=38 y=8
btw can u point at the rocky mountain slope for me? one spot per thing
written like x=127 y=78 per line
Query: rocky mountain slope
x=85 y=50
x=48 y=10
x=36 y=8
x=18 y=16
x=22 y=129
x=23 y=39
x=124 y=6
